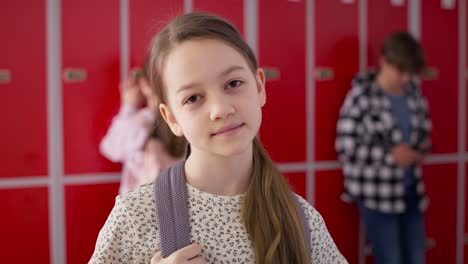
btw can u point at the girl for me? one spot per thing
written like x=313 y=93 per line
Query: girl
x=241 y=209
x=129 y=129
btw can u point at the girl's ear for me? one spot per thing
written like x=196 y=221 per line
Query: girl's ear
x=170 y=120
x=260 y=77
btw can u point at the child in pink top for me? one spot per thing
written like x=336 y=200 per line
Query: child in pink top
x=129 y=131
x=137 y=138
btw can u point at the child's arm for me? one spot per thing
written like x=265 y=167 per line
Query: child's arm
x=129 y=128
x=116 y=143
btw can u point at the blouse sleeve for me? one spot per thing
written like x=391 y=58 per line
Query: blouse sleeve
x=116 y=239
x=324 y=249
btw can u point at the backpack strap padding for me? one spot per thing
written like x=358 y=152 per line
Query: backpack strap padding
x=172 y=209
x=305 y=222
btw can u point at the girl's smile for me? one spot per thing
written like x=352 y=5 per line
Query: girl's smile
x=228 y=130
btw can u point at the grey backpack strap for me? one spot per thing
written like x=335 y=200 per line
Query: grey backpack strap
x=172 y=209
x=305 y=223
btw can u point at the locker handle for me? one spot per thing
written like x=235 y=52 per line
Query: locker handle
x=271 y=73
x=324 y=74
x=430 y=74
x=74 y=75
x=429 y=243
x=5 y=76
x=466 y=238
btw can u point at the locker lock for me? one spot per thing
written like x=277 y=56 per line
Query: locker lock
x=5 y=76
x=324 y=74
x=429 y=243
x=271 y=73
x=430 y=74
x=74 y=75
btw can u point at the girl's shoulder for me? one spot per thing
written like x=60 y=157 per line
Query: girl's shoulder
x=140 y=198
x=316 y=222
x=137 y=206
x=324 y=249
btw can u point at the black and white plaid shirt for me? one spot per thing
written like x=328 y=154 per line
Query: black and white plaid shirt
x=366 y=133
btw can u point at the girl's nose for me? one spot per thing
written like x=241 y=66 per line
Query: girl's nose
x=221 y=108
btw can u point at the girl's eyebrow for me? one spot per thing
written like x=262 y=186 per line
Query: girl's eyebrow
x=230 y=69
x=222 y=74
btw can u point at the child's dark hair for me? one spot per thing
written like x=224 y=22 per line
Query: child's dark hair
x=173 y=145
x=403 y=51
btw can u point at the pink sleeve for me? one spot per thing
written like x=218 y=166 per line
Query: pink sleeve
x=126 y=134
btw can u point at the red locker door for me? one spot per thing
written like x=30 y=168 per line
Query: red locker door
x=441 y=216
x=466 y=78
x=24 y=225
x=23 y=89
x=298 y=182
x=281 y=36
x=90 y=58
x=336 y=62
x=383 y=18
x=440 y=42
x=147 y=17
x=232 y=10
x=85 y=217
x=466 y=221
x=341 y=218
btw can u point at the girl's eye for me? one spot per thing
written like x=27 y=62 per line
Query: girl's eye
x=192 y=99
x=234 y=83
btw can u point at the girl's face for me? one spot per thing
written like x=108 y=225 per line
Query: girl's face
x=213 y=98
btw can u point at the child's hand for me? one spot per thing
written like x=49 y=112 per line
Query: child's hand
x=190 y=254
x=405 y=156
x=130 y=92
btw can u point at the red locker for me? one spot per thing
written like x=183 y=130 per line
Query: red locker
x=232 y=10
x=90 y=58
x=439 y=36
x=87 y=208
x=298 y=182
x=466 y=252
x=466 y=83
x=341 y=218
x=441 y=216
x=281 y=36
x=383 y=18
x=24 y=226
x=466 y=220
x=23 y=89
x=147 y=17
x=336 y=62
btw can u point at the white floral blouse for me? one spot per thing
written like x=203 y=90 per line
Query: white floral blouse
x=130 y=233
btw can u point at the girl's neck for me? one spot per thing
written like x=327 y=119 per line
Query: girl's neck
x=220 y=175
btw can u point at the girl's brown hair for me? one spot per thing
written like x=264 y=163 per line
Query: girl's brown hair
x=269 y=212
x=173 y=145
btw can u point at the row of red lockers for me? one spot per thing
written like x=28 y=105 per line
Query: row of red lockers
x=90 y=42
